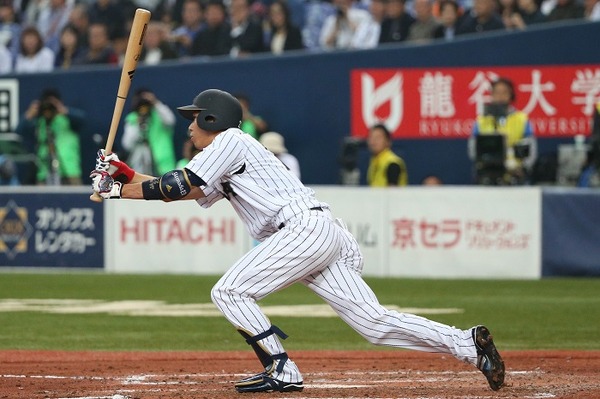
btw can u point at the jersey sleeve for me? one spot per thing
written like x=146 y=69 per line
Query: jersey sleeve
x=221 y=158
x=212 y=195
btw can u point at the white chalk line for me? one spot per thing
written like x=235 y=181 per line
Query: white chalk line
x=319 y=380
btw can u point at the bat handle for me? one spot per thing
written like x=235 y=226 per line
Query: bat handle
x=96 y=197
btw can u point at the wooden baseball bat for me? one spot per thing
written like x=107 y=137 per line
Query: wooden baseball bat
x=132 y=55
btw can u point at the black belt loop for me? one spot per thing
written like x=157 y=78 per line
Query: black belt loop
x=315 y=208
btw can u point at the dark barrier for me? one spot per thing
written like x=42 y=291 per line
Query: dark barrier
x=51 y=229
x=306 y=96
x=570 y=232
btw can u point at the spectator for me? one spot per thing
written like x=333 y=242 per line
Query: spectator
x=283 y=34
x=10 y=28
x=79 y=19
x=156 y=47
x=425 y=24
x=528 y=14
x=99 y=49
x=565 y=10
x=246 y=31
x=148 y=135
x=590 y=172
x=592 y=10
x=386 y=169
x=110 y=15
x=481 y=18
x=5 y=60
x=501 y=117
x=432 y=180
x=275 y=143
x=449 y=18
x=252 y=124
x=339 y=29
x=188 y=152
x=8 y=172
x=507 y=9
x=367 y=33
x=192 y=17
x=51 y=20
x=51 y=131
x=33 y=55
x=173 y=14
x=215 y=39
x=396 y=24
x=70 y=49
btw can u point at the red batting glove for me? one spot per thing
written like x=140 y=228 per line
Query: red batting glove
x=117 y=169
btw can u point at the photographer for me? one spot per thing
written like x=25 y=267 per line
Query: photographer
x=148 y=135
x=339 y=29
x=51 y=131
x=590 y=172
x=517 y=146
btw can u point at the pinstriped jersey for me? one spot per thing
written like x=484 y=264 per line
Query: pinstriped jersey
x=237 y=167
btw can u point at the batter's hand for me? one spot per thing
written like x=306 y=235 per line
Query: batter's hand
x=111 y=163
x=104 y=185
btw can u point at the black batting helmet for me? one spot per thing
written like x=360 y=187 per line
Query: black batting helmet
x=217 y=110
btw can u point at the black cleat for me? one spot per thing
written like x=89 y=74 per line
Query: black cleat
x=263 y=383
x=488 y=359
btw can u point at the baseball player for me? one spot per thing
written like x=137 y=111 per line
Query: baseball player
x=300 y=241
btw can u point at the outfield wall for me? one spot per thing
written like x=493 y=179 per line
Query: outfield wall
x=430 y=232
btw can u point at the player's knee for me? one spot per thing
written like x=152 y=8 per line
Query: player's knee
x=221 y=295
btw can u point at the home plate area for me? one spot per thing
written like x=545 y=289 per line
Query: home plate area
x=327 y=374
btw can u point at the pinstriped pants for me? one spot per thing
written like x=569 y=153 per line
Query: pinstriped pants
x=319 y=252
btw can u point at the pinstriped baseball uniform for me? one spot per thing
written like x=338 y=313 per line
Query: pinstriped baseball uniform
x=300 y=242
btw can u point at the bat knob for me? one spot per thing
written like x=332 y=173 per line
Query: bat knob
x=95 y=197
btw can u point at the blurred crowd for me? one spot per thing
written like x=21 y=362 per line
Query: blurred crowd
x=44 y=35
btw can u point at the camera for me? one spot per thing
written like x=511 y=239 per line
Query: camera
x=47 y=109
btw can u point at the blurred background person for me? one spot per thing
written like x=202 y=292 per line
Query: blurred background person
x=33 y=55
x=10 y=28
x=215 y=39
x=192 y=17
x=51 y=131
x=99 y=49
x=51 y=20
x=283 y=35
x=396 y=24
x=79 y=19
x=111 y=15
x=483 y=17
x=8 y=172
x=590 y=171
x=367 y=33
x=386 y=169
x=188 y=151
x=566 y=10
x=339 y=29
x=252 y=124
x=425 y=24
x=449 y=19
x=246 y=30
x=432 y=180
x=528 y=13
x=592 y=10
x=500 y=117
x=157 y=47
x=275 y=143
x=5 y=60
x=70 y=49
x=148 y=135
